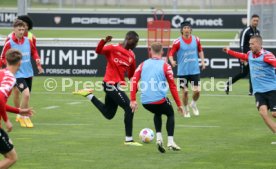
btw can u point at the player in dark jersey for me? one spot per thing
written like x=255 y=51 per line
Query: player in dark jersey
x=120 y=60
x=262 y=66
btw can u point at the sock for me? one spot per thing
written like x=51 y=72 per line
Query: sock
x=186 y=108
x=18 y=116
x=129 y=138
x=193 y=103
x=90 y=96
x=159 y=136
x=170 y=140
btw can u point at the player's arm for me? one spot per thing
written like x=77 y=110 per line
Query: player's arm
x=270 y=59
x=101 y=49
x=235 y=54
x=131 y=69
x=175 y=48
x=134 y=87
x=36 y=57
x=200 y=53
x=6 y=47
x=169 y=76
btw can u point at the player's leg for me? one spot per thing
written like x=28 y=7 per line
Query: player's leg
x=167 y=109
x=21 y=86
x=6 y=148
x=195 y=83
x=184 y=85
x=263 y=102
x=16 y=101
x=26 y=94
x=157 y=119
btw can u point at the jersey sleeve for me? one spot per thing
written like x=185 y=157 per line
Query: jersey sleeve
x=134 y=82
x=12 y=109
x=169 y=76
x=34 y=52
x=270 y=59
x=175 y=47
x=102 y=49
x=132 y=69
x=238 y=55
x=6 y=47
x=199 y=46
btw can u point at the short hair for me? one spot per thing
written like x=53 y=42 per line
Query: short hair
x=255 y=16
x=26 y=19
x=18 y=22
x=258 y=38
x=132 y=35
x=13 y=56
x=156 y=47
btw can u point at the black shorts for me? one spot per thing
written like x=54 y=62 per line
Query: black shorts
x=163 y=108
x=23 y=83
x=5 y=145
x=268 y=99
x=193 y=79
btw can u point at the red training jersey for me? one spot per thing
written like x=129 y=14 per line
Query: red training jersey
x=268 y=58
x=7 y=81
x=176 y=45
x=7 y=46
x=119 y=62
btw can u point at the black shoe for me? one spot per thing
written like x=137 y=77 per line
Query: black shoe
x=227 y=90
x=160 y=146
x=250 y=94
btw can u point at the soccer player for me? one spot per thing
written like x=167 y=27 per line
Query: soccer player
x=16 y=99
x=262 y=66
x=245 y=35
x=25 y=73
x=7 y=81
x=188 y=48
x=154 y=73
x=120 y=60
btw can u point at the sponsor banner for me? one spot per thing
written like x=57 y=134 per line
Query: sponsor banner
x=84 y=61
x=127 y=20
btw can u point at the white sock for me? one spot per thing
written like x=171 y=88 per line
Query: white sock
x=170 y=140
x=186 y=108
x=18 y=116
x=193 y=103
x=129 y=138
x=159 y=136
x=90 y=96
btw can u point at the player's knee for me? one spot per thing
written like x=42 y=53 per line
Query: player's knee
x=12 y=158
x=26 y=95
x=263 y=112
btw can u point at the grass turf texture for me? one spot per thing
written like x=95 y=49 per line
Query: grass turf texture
x=75 y=134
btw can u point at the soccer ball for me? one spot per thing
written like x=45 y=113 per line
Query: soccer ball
x=146 y=135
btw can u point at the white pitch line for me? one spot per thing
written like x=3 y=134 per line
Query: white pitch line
x=73 y=103
x=194 y=126
x=50 y=107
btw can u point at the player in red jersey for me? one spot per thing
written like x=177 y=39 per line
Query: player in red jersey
x=24 y=75
x=7 y=81
x=188 y=49
x=120 y=60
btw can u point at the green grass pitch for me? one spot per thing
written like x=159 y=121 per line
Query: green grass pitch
x=70 y=133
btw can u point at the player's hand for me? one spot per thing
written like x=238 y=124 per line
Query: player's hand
x=181 y=110
x=26 y=112
x=108 y=39
x=173 y=63
x=9 y=126
x=225 y=49
x=203 y=67
x=133 y=106
x=40 y=70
